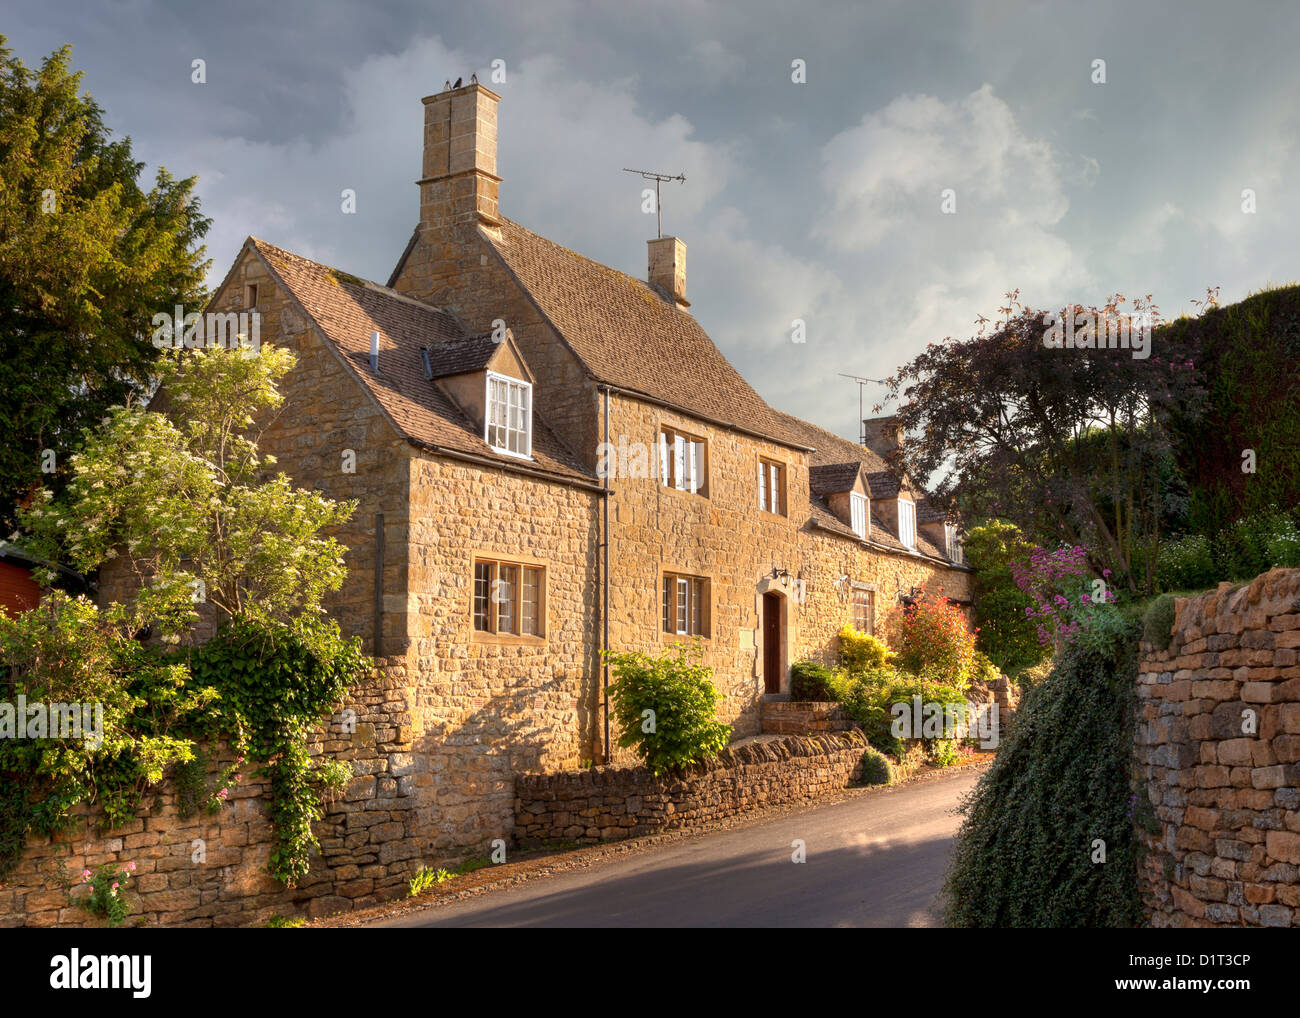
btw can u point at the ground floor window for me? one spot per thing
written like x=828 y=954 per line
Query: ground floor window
x=864 y=611
x=508 y=598
x=686 y=605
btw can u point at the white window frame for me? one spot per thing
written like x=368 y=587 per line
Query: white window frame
x=858 y=510
x=687 y=458
x=771 y=487
x=907 y=523
x=526 y=406
x=954 y=544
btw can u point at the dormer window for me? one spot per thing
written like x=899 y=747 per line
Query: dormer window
x=509 y=417
x=907 y=523
x=954 y=548
x=858 y=514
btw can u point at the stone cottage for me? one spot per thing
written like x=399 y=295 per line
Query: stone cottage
x=551 y=458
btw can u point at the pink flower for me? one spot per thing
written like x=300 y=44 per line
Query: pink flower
x=115 y=885
x=85 y=874
x=131 y=866
x=222 y=794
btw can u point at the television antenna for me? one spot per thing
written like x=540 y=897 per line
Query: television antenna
x=658 y=178
x=862 y=427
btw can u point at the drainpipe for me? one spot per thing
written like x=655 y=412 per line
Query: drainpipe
x=604 y=576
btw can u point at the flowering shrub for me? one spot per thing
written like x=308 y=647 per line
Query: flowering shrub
x=1057 y=583
x=104 y=895
x=931 y=639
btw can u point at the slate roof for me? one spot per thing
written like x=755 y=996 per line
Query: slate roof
x=928 y=512
x=347 y=309
x=463 y=354
x=834 y=460
x=829 y=478
x=629 y=336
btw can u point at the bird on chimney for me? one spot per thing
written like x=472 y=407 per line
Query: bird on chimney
x=446 y=85
x=458 y=81
x=473 y=79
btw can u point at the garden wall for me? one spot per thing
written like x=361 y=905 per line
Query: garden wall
x=611 y=803
x=1218 y=749
x=369 y=842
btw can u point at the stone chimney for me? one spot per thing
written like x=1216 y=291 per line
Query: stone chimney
x=668 y=268
x=882 y=435
x=460 y=179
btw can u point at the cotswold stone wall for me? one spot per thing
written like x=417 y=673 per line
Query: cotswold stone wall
x=1218 y=747
x=611 y=803
x=210 y=869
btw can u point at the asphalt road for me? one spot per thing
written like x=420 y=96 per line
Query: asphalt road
x=877 y=859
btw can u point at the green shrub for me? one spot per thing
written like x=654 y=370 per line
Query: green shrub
x=811 y=681
x=870 y=698
x=1158 y=622
x=1284 y=545
x=862 y=652
x=876 y=768
x=984 y=670
x=1004 y=632
x=1243 y=551
x=1033 y=675
x=666 y=707
x=944 y=752
x=1060 y=781
x=1186 y=564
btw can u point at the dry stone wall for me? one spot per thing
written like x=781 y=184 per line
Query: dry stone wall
x=1218 y=750
x=612 y=803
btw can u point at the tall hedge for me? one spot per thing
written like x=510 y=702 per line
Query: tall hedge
x=1061 y=780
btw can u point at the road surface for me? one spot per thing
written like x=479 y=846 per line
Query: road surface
x=876 y=859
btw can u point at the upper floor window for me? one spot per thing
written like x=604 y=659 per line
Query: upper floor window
x=954 y=548
x=771 y=486
x=864 y=611
x=907 y=523
x=681 y=461
x=858 y=514
x=508 y=598
x=686 y=605
x=509 y=417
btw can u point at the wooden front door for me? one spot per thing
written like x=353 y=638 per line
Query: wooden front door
x=772 y=643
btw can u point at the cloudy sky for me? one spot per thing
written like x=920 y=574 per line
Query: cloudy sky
x=820 y=200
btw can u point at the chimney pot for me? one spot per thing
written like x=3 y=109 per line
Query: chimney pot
x=668 y=267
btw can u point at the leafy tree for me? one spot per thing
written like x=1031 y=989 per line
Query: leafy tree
x=87 y=256
x=1006 y=633
x=183 y=502
x=1019 y=427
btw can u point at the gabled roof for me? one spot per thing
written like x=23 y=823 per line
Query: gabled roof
x=629 y=336
x=461 y=355
x=831 y=478
x=884 y=484
x=830 y=450
x=347 y=309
